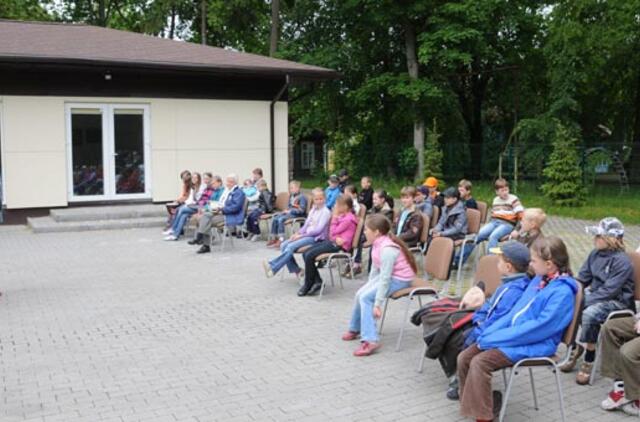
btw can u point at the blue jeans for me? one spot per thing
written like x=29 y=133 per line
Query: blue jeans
x=253 y=221
x=277 y=224
x=494 y=230
x=594 y=316
x=287 y=249
x=182 y=216
x=362 y=320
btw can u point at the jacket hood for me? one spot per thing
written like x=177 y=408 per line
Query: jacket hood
x=458 y=208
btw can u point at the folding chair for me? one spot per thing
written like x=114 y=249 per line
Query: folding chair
x=435 y=216
x=635 y=261
x=282 y=201
x=483 y=208
x=436 y=265
x=224 y=232
x=474 y=217
x=421 y=247
x=338 y=257
x=487 y=272
x=552 y=362
x=297 y=222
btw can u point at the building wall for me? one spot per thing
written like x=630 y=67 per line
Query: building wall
x=222 y=136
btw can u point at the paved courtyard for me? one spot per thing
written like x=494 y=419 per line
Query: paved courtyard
x=121 y=326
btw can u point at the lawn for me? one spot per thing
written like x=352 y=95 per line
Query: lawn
x=602 y=200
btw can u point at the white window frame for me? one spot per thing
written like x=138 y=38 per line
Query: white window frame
x=108 y=151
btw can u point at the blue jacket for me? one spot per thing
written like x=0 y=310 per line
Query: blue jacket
x=500 y=304
x=331 y=194
x=233 y=209
x=297 y=205
x=535 y=325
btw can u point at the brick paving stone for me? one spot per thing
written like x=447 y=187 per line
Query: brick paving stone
x=121 y=326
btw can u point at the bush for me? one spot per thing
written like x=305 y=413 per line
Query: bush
x=433 y=153
x=563 y=174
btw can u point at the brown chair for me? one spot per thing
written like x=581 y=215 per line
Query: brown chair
x=483 y=208
x=338 y=257
x=295 y=223
x=436 y=266
x=569 y=340
x=474 y=218
x=635 y=261
x=281 y=204
x=421 y=247
x=435 y=216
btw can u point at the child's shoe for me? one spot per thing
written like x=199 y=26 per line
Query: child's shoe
x=615 y=399
x=350 y=335
x=632 y=408
x=366 y=349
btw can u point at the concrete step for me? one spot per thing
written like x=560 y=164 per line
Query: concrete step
x=108 y=212
x=49 y=225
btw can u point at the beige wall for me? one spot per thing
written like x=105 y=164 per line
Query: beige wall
x=200 y=135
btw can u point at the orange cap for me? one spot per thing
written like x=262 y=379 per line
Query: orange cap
x=431 y=182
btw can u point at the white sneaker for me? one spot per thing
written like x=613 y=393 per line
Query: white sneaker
x=255 y=237
x=171 y=237
x=267 y=269
x=167 y=232
x=632 y=408
x=615 y=399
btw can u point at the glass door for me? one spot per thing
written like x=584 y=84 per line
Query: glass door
x=108 y=152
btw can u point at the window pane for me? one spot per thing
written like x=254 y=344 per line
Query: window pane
x=86 y=140
x=129 y=148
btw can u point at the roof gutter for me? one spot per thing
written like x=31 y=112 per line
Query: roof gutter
x=273 y=131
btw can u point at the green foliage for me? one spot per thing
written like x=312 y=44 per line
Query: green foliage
x=433 y=153
x=407 y=161
x=23 y=10
x=563 y=174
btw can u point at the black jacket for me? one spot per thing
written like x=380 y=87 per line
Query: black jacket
x=608 y=275
x=365 y=197
x=266 y=201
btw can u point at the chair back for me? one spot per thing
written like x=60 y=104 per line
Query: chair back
x=426 y=222
x=282 y=201
x=474 y=218
x=438 y=259
x=483 y=208
x=435 y=216
x=487 y=271
x=356 y=237
x=635 y=261
x=309 y=203
x=571 y=331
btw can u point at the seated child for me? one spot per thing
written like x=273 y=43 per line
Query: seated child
x=409 y=223
x=530 y=227
x=393 y=269
x=341 y=231
x=172 y=207
x=434 y=194
x=332 y=192
x=533 y=328
x=621 y=362
x=265 y=205
x=512 y=266
x=506 y=211
x=453 y=217
x=186 y=211
x=343 y=179
x=607 y=276
x=382 y=204
x=423 y=204
x=314 y=230
x=353 y=193
x=256 y=175
x=464 y=187
x=365 y=196
x=296 y=207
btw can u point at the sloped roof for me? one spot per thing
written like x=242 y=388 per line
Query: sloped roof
x=45 y=42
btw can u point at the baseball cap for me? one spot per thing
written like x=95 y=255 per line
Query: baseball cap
x=514 y=251
x=431 y=182
x=451 y=193
x=333 y=178
x=609 y=226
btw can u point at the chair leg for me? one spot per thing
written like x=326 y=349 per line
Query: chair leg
x=321 y=290
x=422 y=357
x=596 y=362
x=384 y=314
x=507 y=393
x=340 y=273
x=533 y=389
x=504 y=377
x=404 y=321
x=333 y=283
x=560 y=395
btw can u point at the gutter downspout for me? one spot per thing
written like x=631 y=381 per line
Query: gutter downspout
x=273 y=132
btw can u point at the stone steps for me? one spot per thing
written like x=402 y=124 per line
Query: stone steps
x=111 y=217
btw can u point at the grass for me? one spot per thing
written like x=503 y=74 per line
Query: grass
x=602 y=200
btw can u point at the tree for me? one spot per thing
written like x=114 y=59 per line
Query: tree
x=563 y=174
x=23 y=9
x=275 y=24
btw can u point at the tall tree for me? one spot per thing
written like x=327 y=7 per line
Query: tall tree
x=275 y=27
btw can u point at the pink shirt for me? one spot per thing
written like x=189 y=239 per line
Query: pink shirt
x=343 y=226
x=401 y=268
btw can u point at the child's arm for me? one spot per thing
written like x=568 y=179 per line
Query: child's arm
x=388 y=258
x=620 y=272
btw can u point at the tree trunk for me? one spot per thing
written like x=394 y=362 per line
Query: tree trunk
x=275 y=26
x=203 y=21
x=634 y=162
x=418 y=124
x=102 y=13
x=172 y=27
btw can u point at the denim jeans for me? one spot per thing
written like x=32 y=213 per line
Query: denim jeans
x=362 y=320
x=494 y=230
x=182 y=216
x=277 y=224
x=253 y=221
x=287 y=249
x=594 y=316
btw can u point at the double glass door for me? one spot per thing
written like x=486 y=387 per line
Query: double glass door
x=108 y=152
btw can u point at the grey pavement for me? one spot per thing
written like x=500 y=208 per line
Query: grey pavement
x=122 y=326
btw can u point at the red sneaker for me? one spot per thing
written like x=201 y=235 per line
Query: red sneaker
x=350 y=335
x=366 y=349
x=271 y=242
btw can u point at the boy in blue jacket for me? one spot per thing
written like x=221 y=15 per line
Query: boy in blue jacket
x=513 y=266
x=533 y=328
x=332 y=192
